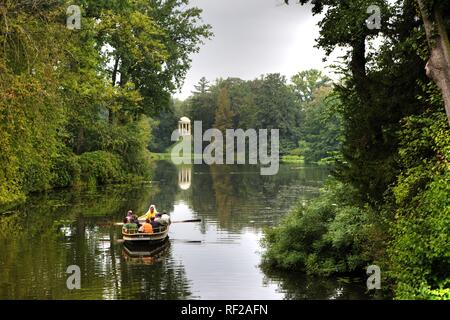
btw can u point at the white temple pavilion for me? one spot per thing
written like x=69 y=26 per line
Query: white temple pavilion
x=184 y=126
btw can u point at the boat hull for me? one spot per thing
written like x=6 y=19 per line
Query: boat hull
x=146 y=238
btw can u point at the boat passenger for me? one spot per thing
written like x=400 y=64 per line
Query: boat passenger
x=151 y=212
x=130 y=216
x=164 y=219
x=155 y=224
x=129 y=227
x=147 y=227
x=135 y=219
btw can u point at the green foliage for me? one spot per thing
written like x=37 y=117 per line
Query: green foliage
x=165 y=123
x=67 y=170
x=321 y=126
x=326 y=236
x=100 y=167
x=201 y=106
x=301 y=109
x=394 y=163
x=264 y=103
x=277 y=109
x=420 y=250
x=69 y=106
x=224 y=115
x=306 y=83
x=30 y=105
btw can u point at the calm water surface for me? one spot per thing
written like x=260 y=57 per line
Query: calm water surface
x=216 y=259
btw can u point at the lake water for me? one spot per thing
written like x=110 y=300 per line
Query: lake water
x=217 y=258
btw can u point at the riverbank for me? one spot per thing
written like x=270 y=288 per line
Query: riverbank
x=284 y=159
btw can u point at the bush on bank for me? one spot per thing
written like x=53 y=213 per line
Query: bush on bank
x=326 y=236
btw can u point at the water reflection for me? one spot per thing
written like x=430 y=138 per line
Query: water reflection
x=149 y=255
x=184 y=176
x=303 y=287
x=215 y=259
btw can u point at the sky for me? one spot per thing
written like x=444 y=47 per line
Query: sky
x=254 y=37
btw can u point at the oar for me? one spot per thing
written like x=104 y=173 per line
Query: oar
x=182 y=221
x=187 y=221
x=187 y=241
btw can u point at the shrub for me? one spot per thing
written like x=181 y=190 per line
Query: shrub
x=67 y=170
x=420 y=248
x=100 y=167
x=323 y=237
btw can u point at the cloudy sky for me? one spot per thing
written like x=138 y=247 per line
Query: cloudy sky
x=254 y=37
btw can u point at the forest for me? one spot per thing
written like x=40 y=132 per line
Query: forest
x=302 y=108
x=76 y=105
x=387 y=203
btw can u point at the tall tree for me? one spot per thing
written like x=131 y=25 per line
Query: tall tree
x=305 y=83
x=121 y=66
x=202 y=86
x=150 y=43
x=373 y=100
x=224 y=115
x=435 y=16
x=277 y=109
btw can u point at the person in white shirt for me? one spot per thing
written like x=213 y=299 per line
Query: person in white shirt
x=163 y=219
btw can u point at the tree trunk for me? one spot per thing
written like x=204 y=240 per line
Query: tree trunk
x=114 y=74
x=358 y=67
x=80 y=141
x=114 y=80
x=438 y=65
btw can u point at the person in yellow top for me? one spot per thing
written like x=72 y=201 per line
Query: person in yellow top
x=151 y=213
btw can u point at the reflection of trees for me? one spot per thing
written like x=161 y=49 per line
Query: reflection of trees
x=166 y=177
x=51 y=232
x=301 y=287
x=238 y=196
x=30 y=260
x=224 y=193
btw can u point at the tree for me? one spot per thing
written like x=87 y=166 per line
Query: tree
x=167 y=122
x=151 y=42
x=77 y=112
x=321 y=126
x=265 y=103
x=435 y=15
x=305 y=83
x=201 y=106
x=224 y=115
x=277 y=109
x=373 y=99
x=396 y=142
x=202 y=86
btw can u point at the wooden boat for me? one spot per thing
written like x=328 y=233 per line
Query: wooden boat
x=133 y=237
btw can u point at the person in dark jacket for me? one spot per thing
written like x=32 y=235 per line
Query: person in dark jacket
x=155 y=224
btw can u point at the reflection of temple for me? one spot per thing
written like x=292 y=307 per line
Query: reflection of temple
x=184 y=177
x=184 y=126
